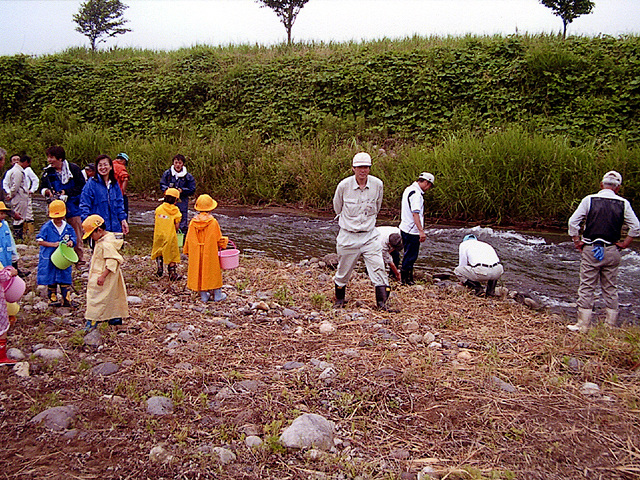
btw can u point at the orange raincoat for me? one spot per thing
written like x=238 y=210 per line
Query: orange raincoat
x=204 y=238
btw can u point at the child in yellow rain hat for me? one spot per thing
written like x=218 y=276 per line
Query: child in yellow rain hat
x=51 y=234
x=165 y=239
x=204 y=238
x=106 y=291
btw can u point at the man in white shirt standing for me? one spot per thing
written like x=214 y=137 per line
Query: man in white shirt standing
x=357 y=201
x=604 y=214
x=478 y=262
x=412 y=224
x=15 y=185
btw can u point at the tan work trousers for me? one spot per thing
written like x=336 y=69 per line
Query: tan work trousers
x=604 y=272
x=350 y=246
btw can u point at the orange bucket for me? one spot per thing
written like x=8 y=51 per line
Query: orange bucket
x=229 y=258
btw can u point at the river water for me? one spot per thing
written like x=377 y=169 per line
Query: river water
x=542 y=264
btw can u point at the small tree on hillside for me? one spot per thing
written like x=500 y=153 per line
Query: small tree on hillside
x=569 y=10
x=287 y=10
x=101 y=18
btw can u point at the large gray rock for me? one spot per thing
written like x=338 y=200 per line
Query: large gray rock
x=93 y=338
x=104 y=369
x=56 y=418
x=224 y=455
x=50 y=353
x=309 y=431
x=160 y=406
x=15 y=354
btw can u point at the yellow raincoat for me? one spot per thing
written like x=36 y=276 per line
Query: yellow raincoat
x=202 y=243
x=109 y=300
x=165 y=240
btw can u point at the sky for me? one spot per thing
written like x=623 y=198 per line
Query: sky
x=37 y=27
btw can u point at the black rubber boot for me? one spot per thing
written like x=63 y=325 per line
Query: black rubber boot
x=491 y=288
x=173 y=273
x=52 y=296
x=406 y=277
x=340 y=294
x=21 y=273
x=160 y=266
x=65 y=294
x=18 y=231
x=382 y=294
x=475 y=286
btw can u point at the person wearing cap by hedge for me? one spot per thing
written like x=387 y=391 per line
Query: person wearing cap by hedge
x=412 y=224
x=478 y=262
x=51 y=234
x=357 y=201
x=120 y=164
x=391 y=242
x=602 y=216
x=106 y=290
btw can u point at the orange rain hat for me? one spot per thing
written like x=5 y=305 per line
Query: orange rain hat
x=57 y=209
x=90 y=224
x=205 y=203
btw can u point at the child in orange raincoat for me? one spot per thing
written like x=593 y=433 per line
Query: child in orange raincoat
x=204 y=238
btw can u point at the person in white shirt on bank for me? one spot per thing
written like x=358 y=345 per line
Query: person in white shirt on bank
x=357 y=201
x=478 y=262
x=391 y=242
x=412 y=224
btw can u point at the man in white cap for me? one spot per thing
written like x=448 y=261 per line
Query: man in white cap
x=412 y=224
x=357 y=201
x=604 y=214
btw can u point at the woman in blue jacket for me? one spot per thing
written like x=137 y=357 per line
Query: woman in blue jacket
x=102 y=196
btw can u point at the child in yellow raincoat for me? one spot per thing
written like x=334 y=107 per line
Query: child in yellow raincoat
x=106 y=291
x=204 y=238
x=165 y=240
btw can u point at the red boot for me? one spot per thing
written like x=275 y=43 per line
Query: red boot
x=3 y=354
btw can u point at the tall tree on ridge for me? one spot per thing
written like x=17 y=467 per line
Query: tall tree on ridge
x=569 y=10
x=101 y=18
x=287 y=10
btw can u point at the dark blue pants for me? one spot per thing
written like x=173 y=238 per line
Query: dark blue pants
x=411 y=249
x=183 y=205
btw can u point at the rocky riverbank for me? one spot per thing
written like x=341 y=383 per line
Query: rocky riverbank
x=451 y=386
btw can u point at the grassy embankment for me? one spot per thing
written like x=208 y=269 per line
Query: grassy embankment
x=516 y=129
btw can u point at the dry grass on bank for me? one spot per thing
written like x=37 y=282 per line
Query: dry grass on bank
x=398 y=407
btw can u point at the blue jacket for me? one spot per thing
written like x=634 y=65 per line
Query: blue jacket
x=51 y=180
x=8 y=252
x=48 y=273
x=96 y=198
x=186 y=183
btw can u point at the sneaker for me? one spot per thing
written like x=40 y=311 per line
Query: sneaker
x=7 y=361
x=90 y=326
x=115 y=321
x=218 y=296
x=205 y=296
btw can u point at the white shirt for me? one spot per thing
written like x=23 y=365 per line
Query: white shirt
x=34 y=181
x=357 y=208
x=412 y=202
x=474 y=252
x=385 y=233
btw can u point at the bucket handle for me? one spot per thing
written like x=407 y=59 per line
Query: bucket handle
x=229 y=242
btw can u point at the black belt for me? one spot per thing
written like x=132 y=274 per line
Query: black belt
x=484 y=265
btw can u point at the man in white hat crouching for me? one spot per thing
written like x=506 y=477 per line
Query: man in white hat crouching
x=357 y=201
x=603 y=214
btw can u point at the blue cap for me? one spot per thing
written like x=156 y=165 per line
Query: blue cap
x=471 y=236
x=123 y=156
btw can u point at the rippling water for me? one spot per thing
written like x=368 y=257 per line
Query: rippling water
x=543 y=264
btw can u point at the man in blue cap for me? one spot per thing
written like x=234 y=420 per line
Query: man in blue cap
x=478 y=262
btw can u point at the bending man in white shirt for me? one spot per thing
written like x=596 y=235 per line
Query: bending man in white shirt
x=478 y=263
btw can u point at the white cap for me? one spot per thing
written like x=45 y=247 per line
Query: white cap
x=612 y=178
x=361 y=159
x=427 y=176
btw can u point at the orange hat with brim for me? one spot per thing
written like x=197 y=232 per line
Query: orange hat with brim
x=172 y=192
x=90 y=224
x=205 y=203
x=4 y=208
